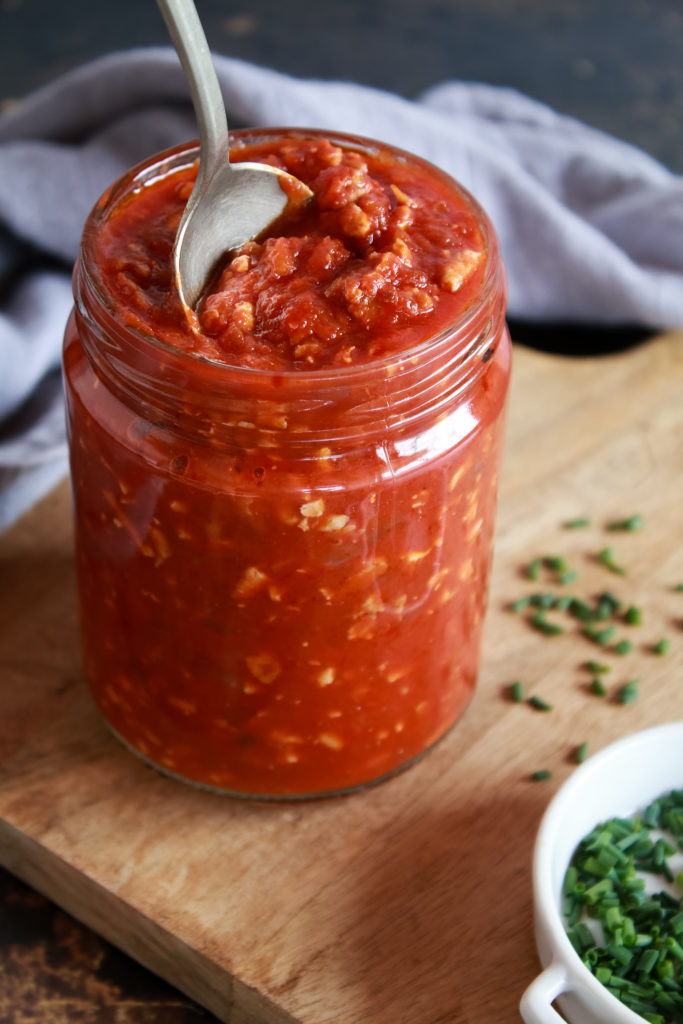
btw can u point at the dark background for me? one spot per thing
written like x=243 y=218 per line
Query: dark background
x=615 y=64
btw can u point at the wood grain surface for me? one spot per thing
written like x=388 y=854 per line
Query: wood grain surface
x=411 y=901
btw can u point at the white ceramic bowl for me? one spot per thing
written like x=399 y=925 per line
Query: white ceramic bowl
x=620 y=780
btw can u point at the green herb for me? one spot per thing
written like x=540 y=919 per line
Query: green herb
x=541 y=775
x=630 y=525
x=581 y=611
x=637 y=952
x=597 y=667
x=543 y=600
x=662 y=646
x=581 y=752
x=600 y=636
x=539 y=704
x=623 y=647
x=679 y=587
x=520 y=604
x=606 y=558
x=517 y=692
x=628 y=692
x=568 y=577
x=555 y=563
x=542 y=624
x=633 y=616
x=597 y=687
x=563 y=603
x=534 y=569
x=577 y=524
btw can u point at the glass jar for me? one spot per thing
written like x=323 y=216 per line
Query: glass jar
x=282 y=577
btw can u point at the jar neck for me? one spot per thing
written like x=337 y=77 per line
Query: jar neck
x=226 y=405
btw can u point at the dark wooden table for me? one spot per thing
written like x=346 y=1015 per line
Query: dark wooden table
x=612 y=63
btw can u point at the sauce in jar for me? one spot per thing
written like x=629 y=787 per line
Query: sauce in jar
x=285 y=517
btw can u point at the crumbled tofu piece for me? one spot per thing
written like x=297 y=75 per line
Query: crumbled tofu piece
x=312 y=509
x=460 y=268
x=263 y=667
x=251 y=580
x=331 y=740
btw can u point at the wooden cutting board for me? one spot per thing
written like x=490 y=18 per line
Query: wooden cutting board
x=410 y=902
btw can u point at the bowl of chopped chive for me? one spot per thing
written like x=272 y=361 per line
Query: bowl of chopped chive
x=608 y=888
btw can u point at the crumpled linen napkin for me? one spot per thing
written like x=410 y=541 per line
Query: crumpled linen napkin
x=591 y=228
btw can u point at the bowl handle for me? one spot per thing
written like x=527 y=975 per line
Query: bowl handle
x=536 y=1005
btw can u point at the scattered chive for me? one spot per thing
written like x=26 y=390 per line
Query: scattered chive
x=597 y=687
x=520 y=604
x=633 y=616
x=581 y=752
x=679 y=587
x=662 y=646
x=597 y=667
x=581 y=611
x=606 y=558
x=600 y=636
x=555 y=563
x=539 y=704
x=542 y=624
x=534 y=569
x=541 y=775
x=568 y=577
x=563 y=603
x=623 y=647
x=630 y=525
x=628 y=692
x=517 y=692
x=577 y=524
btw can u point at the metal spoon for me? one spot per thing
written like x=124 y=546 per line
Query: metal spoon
x=230 y=203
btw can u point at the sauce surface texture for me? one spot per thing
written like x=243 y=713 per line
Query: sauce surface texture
x=383 y=256
x=283 y=574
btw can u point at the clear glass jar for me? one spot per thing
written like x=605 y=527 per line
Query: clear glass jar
x=282 y=576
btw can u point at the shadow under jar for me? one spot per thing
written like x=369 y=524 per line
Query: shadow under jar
x=283 y=546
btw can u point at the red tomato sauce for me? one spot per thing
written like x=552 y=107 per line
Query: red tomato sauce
x=283 y=584
x=383 y=256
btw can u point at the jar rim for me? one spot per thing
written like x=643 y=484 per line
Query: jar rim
x=178 y=157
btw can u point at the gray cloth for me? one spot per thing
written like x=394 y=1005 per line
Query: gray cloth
x=591 y=228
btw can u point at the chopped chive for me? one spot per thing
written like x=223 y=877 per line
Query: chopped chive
x=534 y=569
x=581 y=752
x=517 y=692
x=568 y=577
x=581 y=611
x=600 y=636
x=539 y=704
x=630 y=525
x=628 y=692
x=543 y=600
x=633 y=616
x=606 y=558
x=577 y=524
x=520 y=604
x=555 y=563
x=623 y=647
x=563 y=603
x=597 y=687
x=542 y=624
x=679 y=587
x=662 y=646
x=597 y=667
x=541 y=775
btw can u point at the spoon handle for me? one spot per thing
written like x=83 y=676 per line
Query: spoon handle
x=187 y=34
